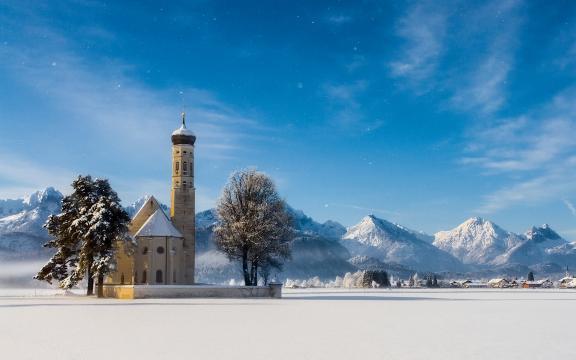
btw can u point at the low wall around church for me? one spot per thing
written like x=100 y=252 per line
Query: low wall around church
x=191 y=291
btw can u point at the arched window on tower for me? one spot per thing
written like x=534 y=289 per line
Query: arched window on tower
x=159 y=277
x=185 y=168
x=177 y=167
x=144 y=278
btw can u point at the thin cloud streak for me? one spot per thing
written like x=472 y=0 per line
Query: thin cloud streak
x=538 y=147
x=423 y=29
x=343 y=99
x=21 y=177
x=363 y=208
x=570 y=206
x=482 y=87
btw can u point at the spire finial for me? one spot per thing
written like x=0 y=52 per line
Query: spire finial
x=184 y=119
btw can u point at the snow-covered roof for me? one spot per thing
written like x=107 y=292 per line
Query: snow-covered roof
x=182 y=130
x=496 y=281
x=537 y=282
x=158 y=225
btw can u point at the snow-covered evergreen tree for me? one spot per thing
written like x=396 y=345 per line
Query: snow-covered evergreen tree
x=85 y=233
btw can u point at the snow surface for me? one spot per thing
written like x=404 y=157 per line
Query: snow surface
x=307 y=324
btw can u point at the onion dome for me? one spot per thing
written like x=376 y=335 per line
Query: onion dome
x=182 y=135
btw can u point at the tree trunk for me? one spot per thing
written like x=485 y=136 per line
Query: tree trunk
x=90 y=289
x=254 y=273
x=245 y=269
x=100 y=286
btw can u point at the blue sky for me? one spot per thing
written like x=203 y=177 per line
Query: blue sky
x=422 y=113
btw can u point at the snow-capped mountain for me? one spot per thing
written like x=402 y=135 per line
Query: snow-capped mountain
x=477 y=241
x=563 y=255
x=327 y=249
x=206 y=221
x=307 y=226
x=534 y=248
x=542 y=248
x=21 y=228
x=392 y=243
x=133 y=208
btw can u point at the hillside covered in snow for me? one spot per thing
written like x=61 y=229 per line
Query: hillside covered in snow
x=476 y=241
x=21 y=224
x=329 y=249
x=391 y=243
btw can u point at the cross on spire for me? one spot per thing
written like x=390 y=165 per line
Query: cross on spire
x=184 y=119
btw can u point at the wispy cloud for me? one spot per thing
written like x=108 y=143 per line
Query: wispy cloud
x=123 y=115
x=21 y=177
x=482 y=86
x=533 y=190
x=484 y=89
x=119 y=108
x=339 y=19
x=538 y=148
x=423 y=30
x=344 y=101
x=570 y=206
x=481 y=63
x=364 y=209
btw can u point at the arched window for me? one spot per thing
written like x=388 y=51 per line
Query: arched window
x=159 y=277
x=144 y=279
x=185 y=166
x=145 y=250
x=122 y=279
x=160 y=250
x=177 y=167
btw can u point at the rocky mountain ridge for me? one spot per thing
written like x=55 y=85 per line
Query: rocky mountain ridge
x=328 y=249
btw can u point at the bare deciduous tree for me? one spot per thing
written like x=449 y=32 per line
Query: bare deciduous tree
x=254 y=226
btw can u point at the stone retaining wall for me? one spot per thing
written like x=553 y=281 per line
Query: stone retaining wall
x=191 y=291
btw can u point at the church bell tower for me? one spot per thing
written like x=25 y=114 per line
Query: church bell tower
x=182 y=208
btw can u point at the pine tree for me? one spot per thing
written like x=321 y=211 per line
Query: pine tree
x=371 y=278
x=85 y=231
x=435 y=281
x=530 y=276
x=108 y=223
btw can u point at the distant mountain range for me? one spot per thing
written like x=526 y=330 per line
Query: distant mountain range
x=21 y=224
x=329 y=249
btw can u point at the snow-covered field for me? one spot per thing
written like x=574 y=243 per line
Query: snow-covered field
x=305 y=324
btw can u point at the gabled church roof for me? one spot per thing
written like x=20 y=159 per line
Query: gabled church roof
x=158 y=225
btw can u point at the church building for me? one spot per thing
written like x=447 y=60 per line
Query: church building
x=164 y=250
